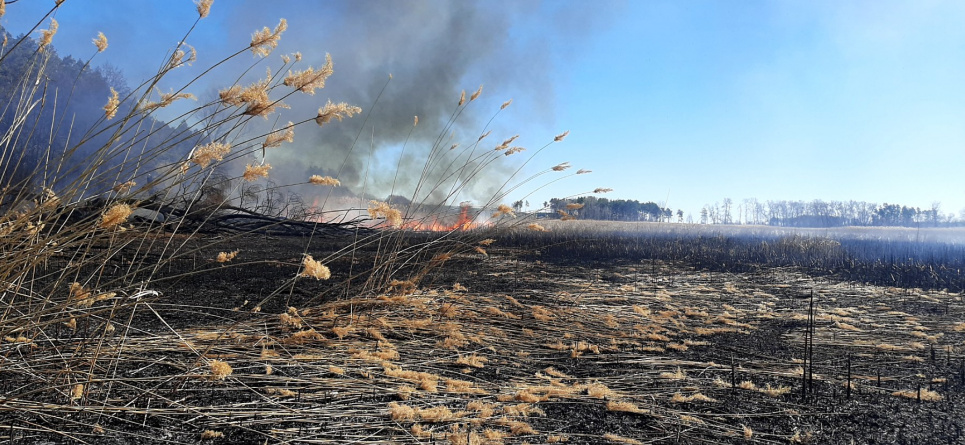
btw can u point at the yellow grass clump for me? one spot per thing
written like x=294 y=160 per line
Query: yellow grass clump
x=314 y=269
x=620 y=439
x=266 y=40
x=337 y=111
x=679 y=374
x=205 y=154
x=100 y=42
x=253 y=172
x=695 y=397
x=77 y=392
x=219 y=370
x=204 y=7
x=224 y=257
x=775 y=391
x=324 y=180
x=473 y=360
x=628 y=407
x=113 y=102
x=380 y=209
x=598 y=390
x=211 y=435
x=116 y=215
x=47 y=35
x=308 y=80
x=927 y=395
x=536 y=227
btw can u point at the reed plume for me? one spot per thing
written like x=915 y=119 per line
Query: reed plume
x=204 y=7
x=205 y=154
x=219 y=370
x=47 y=35
x=337 y=111
x=110 y=110
x=308 y=80
x=266 y=40
x=379 y=209
x=224 y=257
x=561 y=167
x=100 y=42
x=324 y=180
x=116 y=215
x=253 y=172
x=314 y=269
x=276 y=138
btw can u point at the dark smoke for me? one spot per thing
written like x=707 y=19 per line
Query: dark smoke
x=433 y=50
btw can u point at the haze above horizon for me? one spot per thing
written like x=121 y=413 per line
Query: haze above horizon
x=681 y=103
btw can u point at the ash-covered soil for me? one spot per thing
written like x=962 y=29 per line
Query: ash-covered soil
x=508 y=347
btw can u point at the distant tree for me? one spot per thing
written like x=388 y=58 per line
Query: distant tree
x=518 y=206
x=680 y=216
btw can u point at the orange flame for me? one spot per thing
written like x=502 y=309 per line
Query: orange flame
x=463 y=223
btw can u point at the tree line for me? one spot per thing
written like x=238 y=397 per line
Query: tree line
x=783 y=213
x=592 y=207
x=819 y=213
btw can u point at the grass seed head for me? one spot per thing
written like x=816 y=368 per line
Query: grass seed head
x=100 y=42
x=224 y=257
x=219 y=369
x=314 y=269
x=110 y=110
x=47 y=35
x=308 y=80
x=253 y=172
x=266 y=40
x=275 y=138
x=337 y=111
x=211 y=435
x=116 y=215
x=536 y=227
x=324 y=180
x=204 y=7
x=205 y=154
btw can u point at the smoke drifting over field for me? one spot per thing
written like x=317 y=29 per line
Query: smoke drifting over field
x=432 y=50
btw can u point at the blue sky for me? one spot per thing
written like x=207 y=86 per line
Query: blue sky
x=689 y=102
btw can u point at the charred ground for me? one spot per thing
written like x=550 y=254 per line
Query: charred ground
x=536 y=341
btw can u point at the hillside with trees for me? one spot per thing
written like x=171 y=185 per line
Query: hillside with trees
x=68 y=126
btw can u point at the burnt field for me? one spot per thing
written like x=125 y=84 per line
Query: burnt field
x=542 y=337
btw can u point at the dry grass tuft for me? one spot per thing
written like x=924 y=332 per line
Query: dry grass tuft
x=927 y=395
x=679 y=374
x=337 y=111
x=266 y=40
x=620 y=439
x=628 y=407
x=775 y=391
x=205 y=154
x=695 y=397
x=211 y=435
x=314 y=269
x=219 y=370
x=116 y=215
x=224 y=257
x=474 y=360
x=324 y=180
